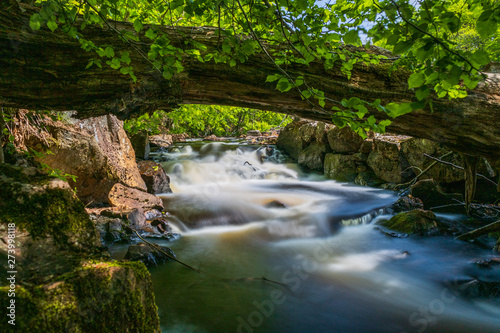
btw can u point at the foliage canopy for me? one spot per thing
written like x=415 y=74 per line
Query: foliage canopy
x=445 y=44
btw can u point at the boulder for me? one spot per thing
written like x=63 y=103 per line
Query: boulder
x=344 y=140
x=130 y=198
x=307 y=132
x=148 y=255
x=417 y=221
x=87 y=299
x=96 y=150
x=212 y=137
x=344 y=167
x=414 y=150
x=387 y=163
x=407 y=203
x=140 y=143
x=254 y=133
x=321 y=132
x=368 y=178
x=313 y=156
x=64 y=282
x=289 y=140
x=160 y=140
x=366 y=147
x=156 y=179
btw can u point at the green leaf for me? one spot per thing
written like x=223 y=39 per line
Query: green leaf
x=416 y=80
x=351 y=37
x=226 y=47
x=284 y=85
x=486 y=28
x=151 y=34
x=396 y=110
x=52 y=25
x=422 y=93
x=402 y=47
x=274 y=77
x=109 y=52
x=306 y=93
x=126 y=58
x=299 y=81
x=481 y=57
x=35 y=21
x=138 y=25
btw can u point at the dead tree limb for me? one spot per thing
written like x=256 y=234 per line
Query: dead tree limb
x=493 y=227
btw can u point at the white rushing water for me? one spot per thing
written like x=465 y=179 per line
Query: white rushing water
x=242 y=219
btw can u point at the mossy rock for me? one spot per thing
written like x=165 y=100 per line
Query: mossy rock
x=44 y=207
x=417 y=221
x=97 y=297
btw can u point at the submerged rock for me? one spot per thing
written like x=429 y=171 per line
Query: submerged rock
x=418 y=221
x=148 y=255
x=275 y=204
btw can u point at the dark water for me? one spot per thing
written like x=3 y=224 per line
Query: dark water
x=328 y=268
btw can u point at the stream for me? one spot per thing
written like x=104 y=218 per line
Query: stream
x=281 y=250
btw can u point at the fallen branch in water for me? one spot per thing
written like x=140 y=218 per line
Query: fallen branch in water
x=493 y=227
x=159 y=249
x=263 y=279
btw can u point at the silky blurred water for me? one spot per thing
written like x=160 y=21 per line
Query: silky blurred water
x=245 y=214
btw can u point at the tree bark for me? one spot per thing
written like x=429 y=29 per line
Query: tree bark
x=45 y=70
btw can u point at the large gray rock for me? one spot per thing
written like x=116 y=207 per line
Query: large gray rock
x=321 y=132
x=161 y=140
x=313 y=156
x=344 y=167
x=290 y=141
x=307 y=131
x=344 y=140
x=414 y=150
x=386 y=161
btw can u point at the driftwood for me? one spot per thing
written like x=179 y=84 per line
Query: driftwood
x=47 y=70
x=493 y=227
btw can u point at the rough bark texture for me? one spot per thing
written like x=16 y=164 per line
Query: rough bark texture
x=44 y=70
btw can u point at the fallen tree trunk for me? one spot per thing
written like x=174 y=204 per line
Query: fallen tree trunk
x=46 y=70
x=490 y=228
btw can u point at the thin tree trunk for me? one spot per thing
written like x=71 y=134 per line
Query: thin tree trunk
x=470 y=169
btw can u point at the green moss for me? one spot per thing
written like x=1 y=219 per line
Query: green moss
x=44 y=211
x=98 y=297
x=417 y=221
